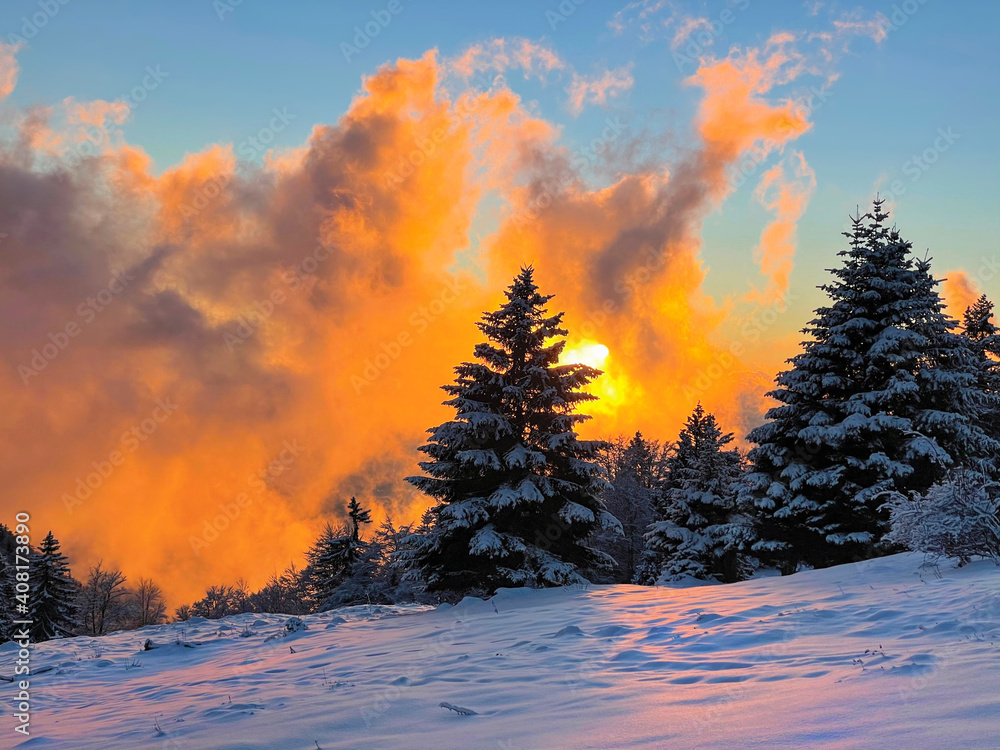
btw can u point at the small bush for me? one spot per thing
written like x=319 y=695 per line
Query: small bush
x=958 y=519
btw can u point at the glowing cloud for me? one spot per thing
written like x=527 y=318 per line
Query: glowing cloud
x=786 y=197
x=959 y=292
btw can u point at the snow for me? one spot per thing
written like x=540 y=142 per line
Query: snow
x=883 y=653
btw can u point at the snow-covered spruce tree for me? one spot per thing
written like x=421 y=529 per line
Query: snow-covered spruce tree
x=984 y=338
x=699 y=532
x=518 y=492
x=958 y=518
x=634 y=469
x=324 y=569
x=406 y=557
x=7 y=600
x=53 y=593
x=978 y=326
x=355 y=547
x=883 y=398
x=334 y=561
x=8 y=590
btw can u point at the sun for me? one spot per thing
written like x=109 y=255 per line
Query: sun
x=590 y=353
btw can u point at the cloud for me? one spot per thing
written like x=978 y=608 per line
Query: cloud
x=686 y=26
x=638 y=10
x=784 y=190
x=597 y=89
x=8 y=68
x=854 y=24
x=959 y=291
x=500 y=54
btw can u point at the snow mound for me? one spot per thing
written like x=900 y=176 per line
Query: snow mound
x=884 y=653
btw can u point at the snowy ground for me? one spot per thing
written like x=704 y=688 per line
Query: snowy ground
x=878 y=654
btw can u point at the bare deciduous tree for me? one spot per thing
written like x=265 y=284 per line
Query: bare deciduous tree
x=103 y=601
x=147 y=604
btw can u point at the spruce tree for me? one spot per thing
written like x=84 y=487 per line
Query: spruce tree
x=984 y=339
x=518 y=492
x=334 y=557
x=53 y=593
x=958 y=403
x=325 y=569
x=355 y=546
x=700 y=532
x=7 y=600
x=882 y=398
x=979 y=327
x=634 y=470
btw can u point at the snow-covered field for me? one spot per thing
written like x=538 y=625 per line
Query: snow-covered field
x=881 y=654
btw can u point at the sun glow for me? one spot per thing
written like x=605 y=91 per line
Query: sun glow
x=588 y=353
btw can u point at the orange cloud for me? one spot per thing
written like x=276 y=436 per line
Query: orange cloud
x=959 y=292
x=8 y=68
x=786 y=197
x=733 y=115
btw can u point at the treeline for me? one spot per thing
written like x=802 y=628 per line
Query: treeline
x=58 y=605
x=885 y=436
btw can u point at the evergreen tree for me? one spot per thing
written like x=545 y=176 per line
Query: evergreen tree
x=700 y=532
x=518 y=493
x=957 y=402
x=8 y=590
x=282 y=594
x=984 y=339
x=634 y=469
x=332 y=560
x=356 y=546
x=882 y=398
x=979 y=327
x=53 y=593
x=7 y=600
x=325 y=568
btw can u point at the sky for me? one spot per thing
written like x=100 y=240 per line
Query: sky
x=242 y=244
